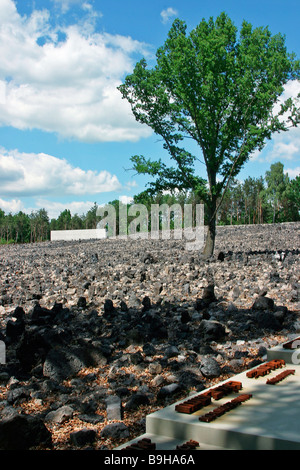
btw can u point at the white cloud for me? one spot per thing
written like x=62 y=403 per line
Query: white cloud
x=293 y=172
x=55 y=208
x=291 y=89
x=25 y=174
x=8 y=11
x=2 y=92
x=167 y=14
x=126 y=199
x=64 y=79
x=131 y=184
x=13 y=206
x=284 y=146
x=285 y=150
x=65 y=5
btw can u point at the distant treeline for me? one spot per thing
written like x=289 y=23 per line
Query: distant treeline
x=274 y=198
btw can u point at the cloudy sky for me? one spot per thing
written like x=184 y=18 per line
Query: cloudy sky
x=66 y=135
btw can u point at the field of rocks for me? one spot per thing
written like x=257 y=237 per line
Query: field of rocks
x=98 y=334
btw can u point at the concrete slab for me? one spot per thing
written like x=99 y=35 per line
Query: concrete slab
x=70 y=235
x=289 y=351
x=269 y=420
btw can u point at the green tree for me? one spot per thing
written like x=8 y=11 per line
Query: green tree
x=254 y=201
x=219 y=90
x=76 y=222
x=64 y=220
x=294 y=191
x=22 y=227
x=226 y=209
x=292 y=200
x=39 y=226
x=53 y=224
x=91 y=219
x=9 y=225
x=237 y=201
x=2 y=221
x=277 y=185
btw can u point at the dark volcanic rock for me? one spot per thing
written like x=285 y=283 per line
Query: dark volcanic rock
x=263 y=303
x=267 y=321
x=23 y=432
x=115 y=431
x=41 y=315
x=108 y=307
x=146 y=303
x=210 y=368
x=135 y=401
x=64 y=363
x=209 y=294
x=208 y=297
x=16 y=395
x=212 y=330
x=168 y=390
x=61 y=415
x=14 y=329
x=188 y=379
x=149 y=349
x=83 y=437
x=81 y=303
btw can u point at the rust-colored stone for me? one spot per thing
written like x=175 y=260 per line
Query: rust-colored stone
x=265 y=369
x=280 y=377
x=189 y=445
x=193 y=404
x=196 y=403
x=143 y=444
x=217 y=412
x=222 y=390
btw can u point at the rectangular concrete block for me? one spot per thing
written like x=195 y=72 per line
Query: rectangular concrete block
x=70 y=235
x=268 y=421
x=289 y=351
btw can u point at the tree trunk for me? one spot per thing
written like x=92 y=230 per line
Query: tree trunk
x=209 y=246
x=274 y=212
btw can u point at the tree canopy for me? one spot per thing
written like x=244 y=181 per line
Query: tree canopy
x=218 y=88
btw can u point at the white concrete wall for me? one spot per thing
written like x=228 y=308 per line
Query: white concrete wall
x=2 y=353
x=69 y=235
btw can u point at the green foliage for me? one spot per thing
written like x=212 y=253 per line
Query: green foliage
x=6 y=242
x=64 y=220
x=293 y=192
x=277 y=184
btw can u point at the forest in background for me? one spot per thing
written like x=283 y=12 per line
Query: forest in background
x=270 y=199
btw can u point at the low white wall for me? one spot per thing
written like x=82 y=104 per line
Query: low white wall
x=69 y=235
x=2 y=353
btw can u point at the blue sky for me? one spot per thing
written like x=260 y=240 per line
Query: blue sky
x=66 y=136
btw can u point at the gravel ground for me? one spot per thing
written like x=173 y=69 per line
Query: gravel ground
x=98 y=334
